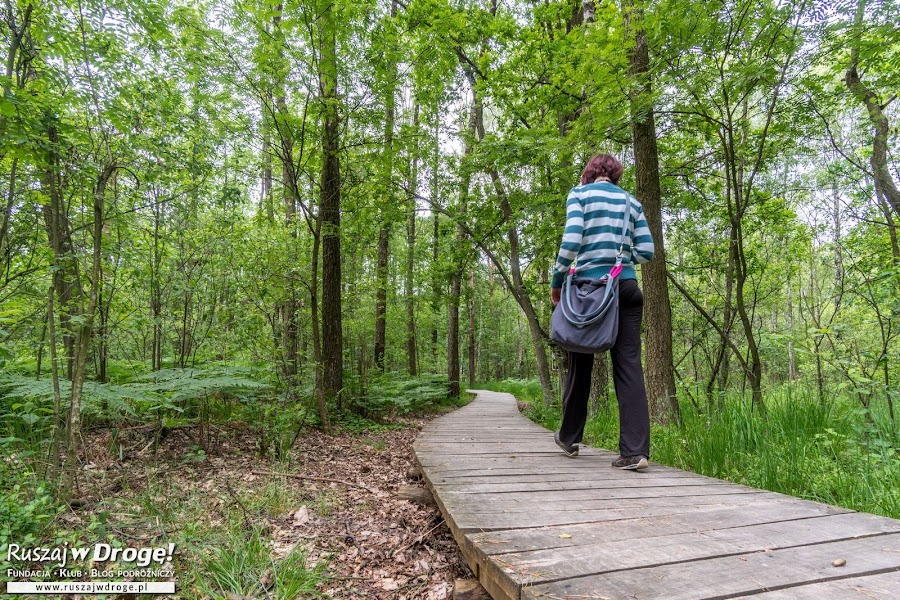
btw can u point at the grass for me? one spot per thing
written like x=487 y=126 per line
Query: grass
x=244 y=567
x=223 y=545
x=829 y=452
x=378 y=445
x=226 y=556
x=223 y=548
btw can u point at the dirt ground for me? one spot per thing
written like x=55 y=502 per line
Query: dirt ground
x=345 y=511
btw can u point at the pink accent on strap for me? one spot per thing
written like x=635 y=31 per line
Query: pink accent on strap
x=614 y=272
x=572 y=271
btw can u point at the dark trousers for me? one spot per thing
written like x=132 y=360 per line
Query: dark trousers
x=628 y=377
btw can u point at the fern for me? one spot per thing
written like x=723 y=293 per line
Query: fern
x=393 y=394
x=16 y=389
x=180 y=385
x=156 y=393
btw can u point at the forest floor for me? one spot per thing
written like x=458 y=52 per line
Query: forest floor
x=357 y=537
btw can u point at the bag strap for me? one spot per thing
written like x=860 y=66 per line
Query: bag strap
x=582 y=320
x=625 y=221
x=618 y=266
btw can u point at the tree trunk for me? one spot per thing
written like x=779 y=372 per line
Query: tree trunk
x=386 y=209
x=453 y=366
x=286 y=307
x=884 y=183
x=472 y=356
x=381 y=277
x=722 y=365
x=66 y=278
x=435 y=248
x=38 y=368
x=6 y=254
x=436 y=290
x=838 y=256
x=459 y=257
x=266 y=196
x=321 y=401
x=103 y=337
x=330 y=207
x=754 y=373
x=792 y=366
x=155 y=286
x=599 y=398
x=53 y=469
x=891 y=225
x=411 y=250
x=453 y=335
x=84 y=331
x=660 y=373
x=185 y=334
x=753 y=364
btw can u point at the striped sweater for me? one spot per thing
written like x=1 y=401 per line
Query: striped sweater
x=594 y=214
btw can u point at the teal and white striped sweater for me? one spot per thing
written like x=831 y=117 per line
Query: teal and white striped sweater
x=594 y=214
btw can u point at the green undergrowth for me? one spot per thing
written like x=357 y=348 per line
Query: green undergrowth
x=390 y=395
x=222 y=536
x=832 y=452
x=174 y=417
x=243 y=567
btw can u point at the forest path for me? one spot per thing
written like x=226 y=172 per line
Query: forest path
x=534 y=523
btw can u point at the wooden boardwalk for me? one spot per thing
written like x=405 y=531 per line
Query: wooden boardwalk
x=533 y=523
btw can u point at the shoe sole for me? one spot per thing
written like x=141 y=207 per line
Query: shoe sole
x=570 y=454
x=638 y=466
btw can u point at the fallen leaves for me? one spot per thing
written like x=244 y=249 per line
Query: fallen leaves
x=336 y=498
x=301 y=517
x=378 y=545
x=389 y=585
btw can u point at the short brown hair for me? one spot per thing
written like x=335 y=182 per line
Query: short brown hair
x=602 y=165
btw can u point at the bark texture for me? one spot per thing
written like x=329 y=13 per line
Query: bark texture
x=658 y=366
x=330 y=207
x=884 y=183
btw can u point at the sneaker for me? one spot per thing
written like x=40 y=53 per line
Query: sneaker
x=631 y=463
x=571 y=451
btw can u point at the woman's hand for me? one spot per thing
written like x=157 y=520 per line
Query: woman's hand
x=555 y=295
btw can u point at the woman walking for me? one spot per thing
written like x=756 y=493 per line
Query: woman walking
x=595 y=211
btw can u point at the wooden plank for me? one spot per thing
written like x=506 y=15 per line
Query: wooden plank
x=462 y=522
x=635 y=504
x=466 y=522
x=493 y=452
x=870 y=587
x=545 y=497
x=740 y=574
x=463 y=474
x=494 y=436
x=549 y=464
x=705 y=518
x=548 y=460
x=490 y=447
x=525 y=514
x=529 y=568
x=549 y=467
x=576 y=484
x=545 y=463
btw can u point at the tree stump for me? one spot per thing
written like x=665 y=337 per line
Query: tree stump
x=416 y=494
x=469 y=589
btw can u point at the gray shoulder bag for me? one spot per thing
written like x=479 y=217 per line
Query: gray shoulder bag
x=586 y=319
